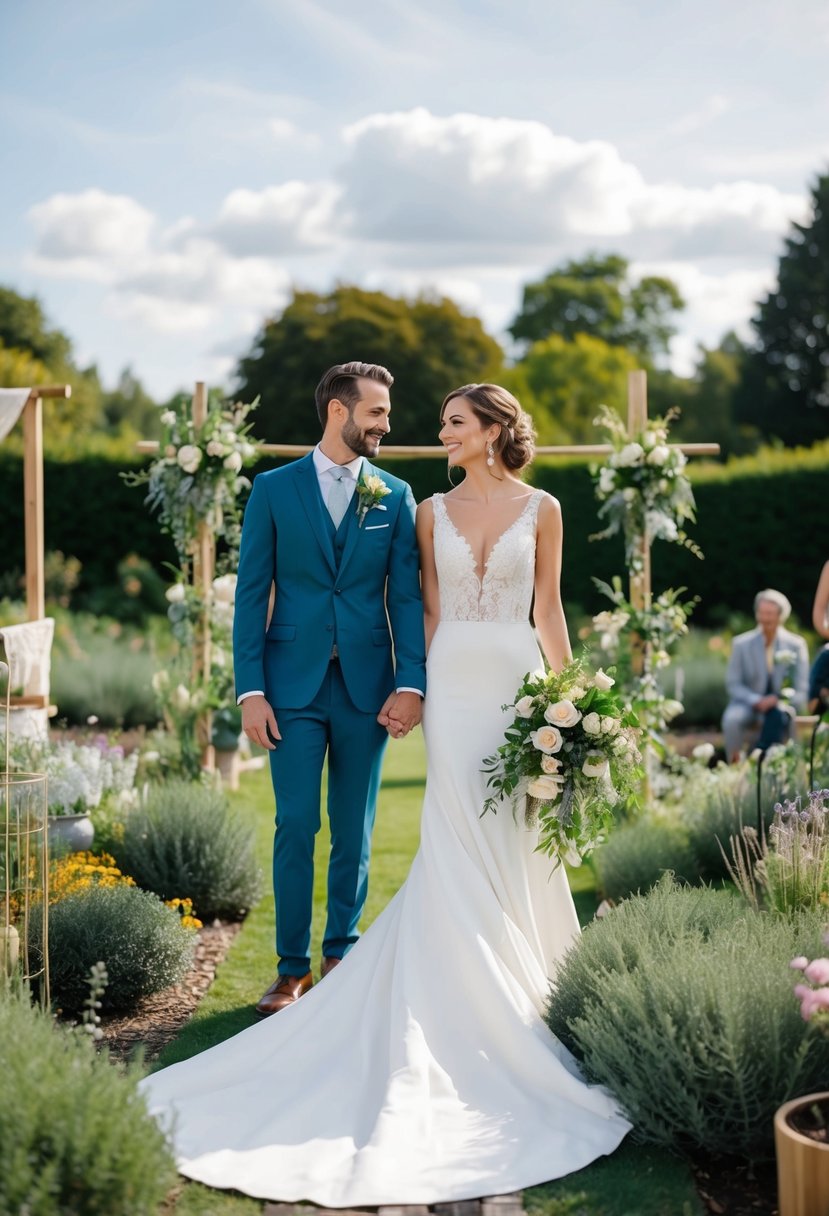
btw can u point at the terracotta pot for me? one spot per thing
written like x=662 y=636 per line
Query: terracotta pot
x=74 y=833
x=802 y=1163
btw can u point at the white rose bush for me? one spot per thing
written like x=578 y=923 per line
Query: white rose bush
x=569 y=759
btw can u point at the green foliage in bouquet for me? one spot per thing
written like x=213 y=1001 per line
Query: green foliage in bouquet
x=143 y=944
x=570 y=753
x=692 y=988
x=184 y=841
x=75 y=1131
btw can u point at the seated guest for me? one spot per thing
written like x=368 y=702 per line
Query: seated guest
x=763 y=662
x=819 y=676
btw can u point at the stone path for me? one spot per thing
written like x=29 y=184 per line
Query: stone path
x=494 y=1205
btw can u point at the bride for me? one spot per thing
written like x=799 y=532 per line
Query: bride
x=422 y=1070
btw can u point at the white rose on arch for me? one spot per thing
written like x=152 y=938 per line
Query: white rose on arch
x=631 y=454
x=189 y=457
x=562 y=713
x=547 y=739
x=659 y=455
x=175 y=594
x=233 y=462
x=524 y=708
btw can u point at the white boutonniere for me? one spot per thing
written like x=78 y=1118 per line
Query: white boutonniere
x=371 y=490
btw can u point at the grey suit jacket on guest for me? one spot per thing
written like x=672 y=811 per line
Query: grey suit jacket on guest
x=747 y=674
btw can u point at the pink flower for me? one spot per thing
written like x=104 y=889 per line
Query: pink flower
x=800 y=963
x=817 y=971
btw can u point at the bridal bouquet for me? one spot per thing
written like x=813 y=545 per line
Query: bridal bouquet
x=570 y=757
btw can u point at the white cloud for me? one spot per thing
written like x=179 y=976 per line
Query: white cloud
x=90 y=235
x=471 y=183
x=176 y=280
x=279 y=219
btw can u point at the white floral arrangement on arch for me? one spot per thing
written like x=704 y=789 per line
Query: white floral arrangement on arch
x=569 y=759
x=643 y=488
x=197 y=475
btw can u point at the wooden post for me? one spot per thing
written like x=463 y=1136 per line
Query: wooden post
x=33 y=507
x=204 y=561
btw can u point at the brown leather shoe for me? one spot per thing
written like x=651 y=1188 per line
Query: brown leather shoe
x=284 y=991
x=329 y=962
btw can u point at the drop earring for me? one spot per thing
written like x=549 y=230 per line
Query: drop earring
x=490 y=455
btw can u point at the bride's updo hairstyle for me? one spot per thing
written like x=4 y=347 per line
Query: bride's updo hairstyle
x=492 y=404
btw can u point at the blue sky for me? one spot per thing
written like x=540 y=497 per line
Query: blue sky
x=170 y=170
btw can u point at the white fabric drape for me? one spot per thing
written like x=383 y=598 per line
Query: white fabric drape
x=12 y=401
x=29 y=655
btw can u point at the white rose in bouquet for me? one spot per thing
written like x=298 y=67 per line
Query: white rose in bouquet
x=546 y=789
x=547 y=739
x=592 y=724
x=562 y=713
x=610 y=726
x=595 y=765
x=549 y=764
x=524 y=708
x=603 y=681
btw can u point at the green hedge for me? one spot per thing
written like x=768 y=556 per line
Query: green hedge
x=760 y=523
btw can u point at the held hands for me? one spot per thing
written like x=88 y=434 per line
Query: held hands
x=401 y=712
x=257 y=720
x=766 y=703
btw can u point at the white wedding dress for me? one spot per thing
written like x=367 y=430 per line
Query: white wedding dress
x=421 y=1069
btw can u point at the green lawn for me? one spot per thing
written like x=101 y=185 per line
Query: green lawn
x=634 y=1182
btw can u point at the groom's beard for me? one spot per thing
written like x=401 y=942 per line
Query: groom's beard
x=361 y=443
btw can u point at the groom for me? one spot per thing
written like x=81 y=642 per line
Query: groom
x=336 y=538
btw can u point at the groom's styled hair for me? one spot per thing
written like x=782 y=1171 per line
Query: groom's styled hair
x=340 y=381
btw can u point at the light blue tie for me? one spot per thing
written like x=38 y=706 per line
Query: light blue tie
x=338 y=495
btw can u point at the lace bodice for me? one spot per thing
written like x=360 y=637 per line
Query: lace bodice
x=505 y=591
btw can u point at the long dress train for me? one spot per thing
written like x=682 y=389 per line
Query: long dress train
x=421 y=1070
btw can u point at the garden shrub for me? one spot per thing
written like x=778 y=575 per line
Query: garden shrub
x=142 y=942
x=636 y=855
x=720 y=803
x=681 y=1003
x=76 y=1136
x=185 y=841
x=111 y=680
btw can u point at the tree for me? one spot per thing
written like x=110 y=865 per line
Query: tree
x=784 y=389
x=594 y=296
x=428 y=344
x=128 y=406
x=562 y=384
x=23 y=327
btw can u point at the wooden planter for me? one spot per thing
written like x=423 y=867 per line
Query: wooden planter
x=802 y=1163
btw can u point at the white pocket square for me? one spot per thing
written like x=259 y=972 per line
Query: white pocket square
x=375 y=527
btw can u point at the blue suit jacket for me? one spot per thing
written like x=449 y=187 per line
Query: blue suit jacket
x=370 y=602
